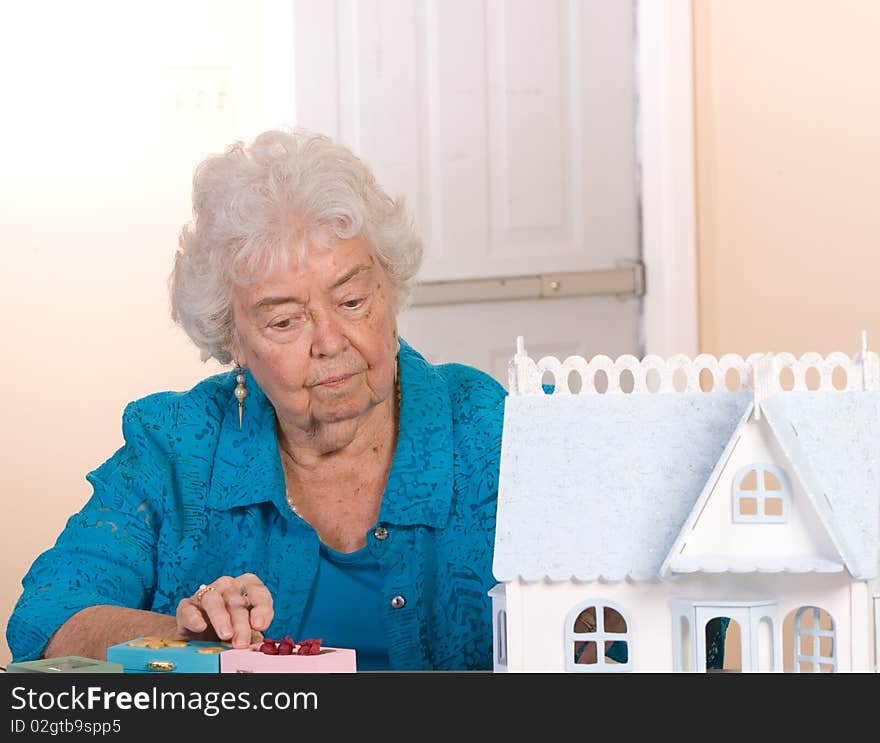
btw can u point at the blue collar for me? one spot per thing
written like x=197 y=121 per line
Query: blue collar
x=247 y=464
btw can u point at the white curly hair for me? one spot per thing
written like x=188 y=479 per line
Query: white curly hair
x=251 y=203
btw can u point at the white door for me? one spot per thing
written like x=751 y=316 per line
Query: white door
x=510 y=127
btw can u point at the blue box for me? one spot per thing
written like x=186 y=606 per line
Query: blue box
x=155 y=655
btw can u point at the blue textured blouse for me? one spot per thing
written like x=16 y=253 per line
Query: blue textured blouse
x=190 y=496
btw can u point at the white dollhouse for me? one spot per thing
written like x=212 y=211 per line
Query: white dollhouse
x=645 y=503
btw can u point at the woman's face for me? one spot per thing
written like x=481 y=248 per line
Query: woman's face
x=321 y=337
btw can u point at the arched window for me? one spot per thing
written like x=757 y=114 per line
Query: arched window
x=761 y=494
x=815 y=641
x=597 y=638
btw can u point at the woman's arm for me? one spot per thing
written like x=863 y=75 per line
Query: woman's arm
x=234 y=609
x=90 y=631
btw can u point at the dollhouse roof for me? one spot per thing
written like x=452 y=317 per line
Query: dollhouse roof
x=600 y=486
x=827 y=439
x=832 y=440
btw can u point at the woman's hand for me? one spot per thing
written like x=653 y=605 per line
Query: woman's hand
x=233 y=609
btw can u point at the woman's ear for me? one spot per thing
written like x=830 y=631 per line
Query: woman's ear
x=233 y=348
x=235 y=356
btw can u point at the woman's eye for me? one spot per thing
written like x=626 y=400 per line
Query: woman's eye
x=353 y=304
x=282 y=324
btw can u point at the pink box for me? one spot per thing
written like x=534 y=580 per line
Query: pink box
x=251 y=660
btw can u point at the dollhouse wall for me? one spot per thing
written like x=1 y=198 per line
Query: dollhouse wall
x=877 y=632
x=536 y=613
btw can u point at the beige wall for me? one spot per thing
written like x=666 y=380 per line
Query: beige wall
x=94 y=185
x=788 y=174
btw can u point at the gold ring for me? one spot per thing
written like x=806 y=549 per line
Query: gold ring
x=203 y=589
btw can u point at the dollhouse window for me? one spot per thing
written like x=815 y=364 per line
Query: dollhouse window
x=760 y=494
x=597 y=639
x=814 y=641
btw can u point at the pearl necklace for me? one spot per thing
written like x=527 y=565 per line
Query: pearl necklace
x=292 y=504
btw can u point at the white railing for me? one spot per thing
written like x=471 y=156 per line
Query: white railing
x=705 y=373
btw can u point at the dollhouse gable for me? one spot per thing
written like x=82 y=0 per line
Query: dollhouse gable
x=754 y=514
x=795 y=490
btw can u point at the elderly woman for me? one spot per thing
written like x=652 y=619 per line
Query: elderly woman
x=334 y=484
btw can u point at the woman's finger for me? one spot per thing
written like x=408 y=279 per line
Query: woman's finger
x=236 y=604
x=237 y=609
x=213 y=605
x=189 y=617
x=258 y=597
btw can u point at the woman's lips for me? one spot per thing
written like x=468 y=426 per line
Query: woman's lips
x=333 y=382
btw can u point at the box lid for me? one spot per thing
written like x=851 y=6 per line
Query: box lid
x=64 y=664
x=155 y=655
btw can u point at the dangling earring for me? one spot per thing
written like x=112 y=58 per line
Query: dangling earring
x=240 y=391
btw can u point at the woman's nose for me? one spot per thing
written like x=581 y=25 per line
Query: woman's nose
x=327 y=336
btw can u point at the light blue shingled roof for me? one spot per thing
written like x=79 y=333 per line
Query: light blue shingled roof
x=832 y=440
x=598 y=486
